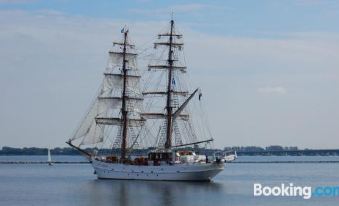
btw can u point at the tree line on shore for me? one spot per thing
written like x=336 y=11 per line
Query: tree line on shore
x=241 y=150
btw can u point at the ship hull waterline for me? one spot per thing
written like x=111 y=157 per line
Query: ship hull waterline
x=177 y=172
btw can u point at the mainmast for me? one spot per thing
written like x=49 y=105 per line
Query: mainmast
x=124 y=111
x=168 y=143
x=169 y=91
x=172 y=68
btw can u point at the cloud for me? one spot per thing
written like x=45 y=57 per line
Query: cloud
x=52 y=63
x=313 y=2
x=179 y=8
x=272 y=90
x=295 y=54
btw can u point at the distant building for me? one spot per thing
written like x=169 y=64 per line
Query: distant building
x=274 y=148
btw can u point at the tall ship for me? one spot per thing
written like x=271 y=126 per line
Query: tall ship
x=141 y=124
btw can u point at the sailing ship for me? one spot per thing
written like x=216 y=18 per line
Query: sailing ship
x=124 y=117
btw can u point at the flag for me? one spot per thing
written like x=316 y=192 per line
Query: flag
x=124 y=30
x=173 y=81
x=200 y=95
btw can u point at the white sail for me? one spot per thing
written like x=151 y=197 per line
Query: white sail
x=88 y=130
x=49 y=159
x=113 y=84
x=115 y=59
x=106 y=108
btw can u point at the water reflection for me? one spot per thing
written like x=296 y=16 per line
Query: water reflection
x=129 y=192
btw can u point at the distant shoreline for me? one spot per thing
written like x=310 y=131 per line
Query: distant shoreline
x=241 y=151
x=257 y=161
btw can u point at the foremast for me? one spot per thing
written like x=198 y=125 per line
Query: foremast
x=169 y=107
x=128 y=96
x=124 y=111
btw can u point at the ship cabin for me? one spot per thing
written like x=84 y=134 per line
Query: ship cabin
x=159 y=157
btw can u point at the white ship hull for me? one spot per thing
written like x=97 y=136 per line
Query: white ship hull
x=176 y=172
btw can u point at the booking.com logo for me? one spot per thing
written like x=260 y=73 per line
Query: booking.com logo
x=290 y=190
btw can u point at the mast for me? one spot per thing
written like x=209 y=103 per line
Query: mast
x=169 y=92
x=168 y=143
x=124 y=111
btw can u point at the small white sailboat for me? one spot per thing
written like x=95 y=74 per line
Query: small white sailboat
x=231 y=157
x=49 y=158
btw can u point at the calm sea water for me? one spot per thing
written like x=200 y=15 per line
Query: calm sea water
x=75 y=184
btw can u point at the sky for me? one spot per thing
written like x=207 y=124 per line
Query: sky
x=269 y=69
